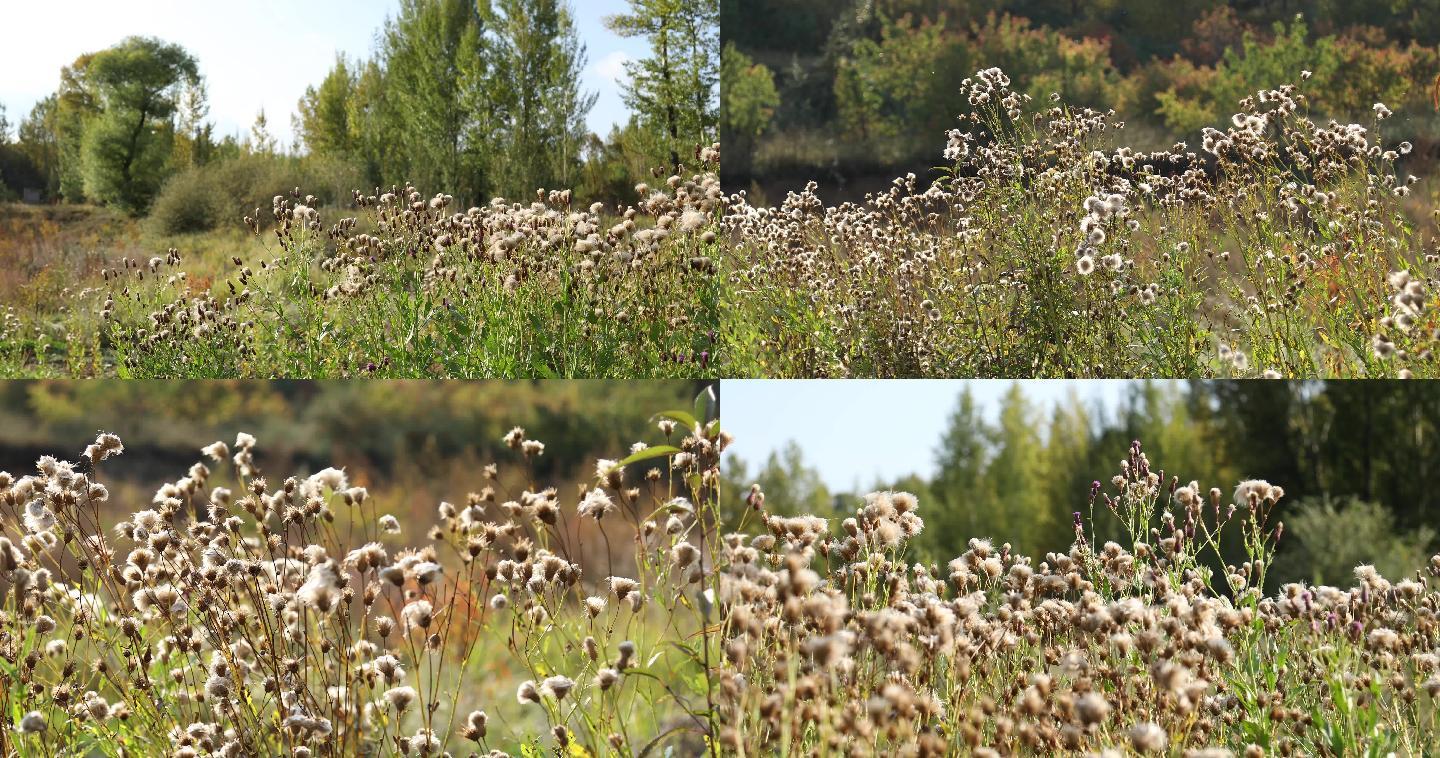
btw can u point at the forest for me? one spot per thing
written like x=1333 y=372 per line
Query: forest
x=478 y=99
x=1355 y=460
x=849 y=93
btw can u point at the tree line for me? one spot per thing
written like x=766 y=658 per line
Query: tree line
x=474 y=98
x=1357 y=460
x=848 y=85
x=379 y=423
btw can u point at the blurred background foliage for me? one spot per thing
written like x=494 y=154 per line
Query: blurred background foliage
x=851 y=92
x=1357 y=460
x=413 y=442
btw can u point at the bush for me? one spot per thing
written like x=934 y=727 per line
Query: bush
x=1336 y=535
x=186 y=204
x=205 y=197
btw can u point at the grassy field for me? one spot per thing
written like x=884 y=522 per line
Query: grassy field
x=1280 y=246
x=242 y=613
x=836 y=644
x=395 y=284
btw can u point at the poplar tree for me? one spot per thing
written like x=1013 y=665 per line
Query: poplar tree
x=534 y=89
x=325 y=126
x=961 y=492
x=433 y=57
x=77 y=104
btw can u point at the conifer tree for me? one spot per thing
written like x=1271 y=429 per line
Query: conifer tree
x=673 y=90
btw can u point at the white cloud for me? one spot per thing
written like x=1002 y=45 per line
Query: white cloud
x=612 y=66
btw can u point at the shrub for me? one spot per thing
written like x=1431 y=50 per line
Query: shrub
x=208 y=196
x=187 y=203
x=1335 y=536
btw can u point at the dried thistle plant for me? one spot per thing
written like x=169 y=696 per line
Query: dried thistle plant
x=1283 y=247
x=235 y=615
x=836 y=646
x=414 y=286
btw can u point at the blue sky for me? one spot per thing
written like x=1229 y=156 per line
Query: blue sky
x=255 y=54
x=855 y=432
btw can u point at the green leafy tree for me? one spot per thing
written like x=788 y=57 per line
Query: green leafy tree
x=36 y=138
x=673 y=89
x=77 y=104
x=374 y=126
x=194 y=134
x=5 y=153
x=748 y=102
x=791 y=486
x=1332 y=536
x=888 y=87
x=1022 y=513
x=536 y=59
x=262 y=141
x=611 y=164
x=126 y=149
x=325 y=112
x=960 y=489
x=434 y=63
x=1068 y=450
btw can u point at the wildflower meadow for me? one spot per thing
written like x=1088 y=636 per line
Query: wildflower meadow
x=411 y=285
x=1150 y=644
x=1282 y=245
x=241 y=613
x=651 y=611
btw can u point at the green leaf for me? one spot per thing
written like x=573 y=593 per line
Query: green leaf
x=679 y=417
x=705 y=404
x=659 y=451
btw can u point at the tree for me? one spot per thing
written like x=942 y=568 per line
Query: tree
x=1066 y=465
x=194 y=135
x=673 y=90
x=748 y=102
x=791 y=487
x=37 y=139
x=373 y=125
x=325 y=124
x=1021 y=513
x=126 y=149
x=77 y=104
x=262 y=142
x=960 y=489
x=433 y=66
x=534 y=85
x=889 y=87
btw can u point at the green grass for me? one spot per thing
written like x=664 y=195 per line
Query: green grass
x=401 y=287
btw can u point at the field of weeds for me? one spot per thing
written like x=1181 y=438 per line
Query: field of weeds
x=239 y=613
x=1279 y=246
x=409 y=285
x=1153 y=644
